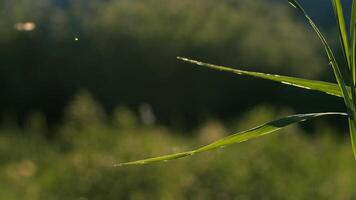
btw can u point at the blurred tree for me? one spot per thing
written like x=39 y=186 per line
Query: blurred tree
x=125 y=54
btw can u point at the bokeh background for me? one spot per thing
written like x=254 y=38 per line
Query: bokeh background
x=86 y=84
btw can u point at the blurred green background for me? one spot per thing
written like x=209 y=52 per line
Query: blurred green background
x=87 y=84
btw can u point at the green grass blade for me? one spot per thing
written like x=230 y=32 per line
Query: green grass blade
x=329 y=53
x=342 y=30
x=326 y=87
x=352 y=122
x=353 y=41
x=353 y=92
x=353 y=57
x=261 y=130
x=352 y=127
x=353 y=18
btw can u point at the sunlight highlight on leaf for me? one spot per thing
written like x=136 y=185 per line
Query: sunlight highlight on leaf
x=326 y=87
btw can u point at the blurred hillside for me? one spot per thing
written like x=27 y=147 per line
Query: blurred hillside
x=123 y=52
x=288 y=165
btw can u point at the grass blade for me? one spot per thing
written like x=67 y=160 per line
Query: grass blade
x=261 y=130
x=353 y=41
x=329 y=53
x=342 y=29
x=352 y=127
x=352 y=121
x=326 y=87
x=353 y=57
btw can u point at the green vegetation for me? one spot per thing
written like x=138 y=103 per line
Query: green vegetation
x=77 y=164
x=121 y=41
x=347 y=93
x=124 y=54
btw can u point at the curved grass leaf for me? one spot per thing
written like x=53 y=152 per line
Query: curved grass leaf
x=329 y=53
x=261 y=130
x=342 y=29
x=326 y=87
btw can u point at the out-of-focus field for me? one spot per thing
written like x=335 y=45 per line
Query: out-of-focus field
x=77 y=163
x=123 y=52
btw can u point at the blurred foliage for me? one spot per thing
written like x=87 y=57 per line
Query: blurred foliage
x=78 y=163
x=126 y=49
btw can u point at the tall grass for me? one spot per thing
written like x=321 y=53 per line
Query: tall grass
x=344 y=86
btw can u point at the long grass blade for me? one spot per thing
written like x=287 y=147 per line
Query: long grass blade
x=352 y=127
x=353 y=41
x=329 y=53
x=352 y=122
x=326 y=87
x=342 y=30
x=353 y=57
x=261 y=130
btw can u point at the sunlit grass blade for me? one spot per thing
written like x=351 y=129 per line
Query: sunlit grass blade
x=342 y=29
x=261 y=130
x=329 y=53
x=326 y=87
